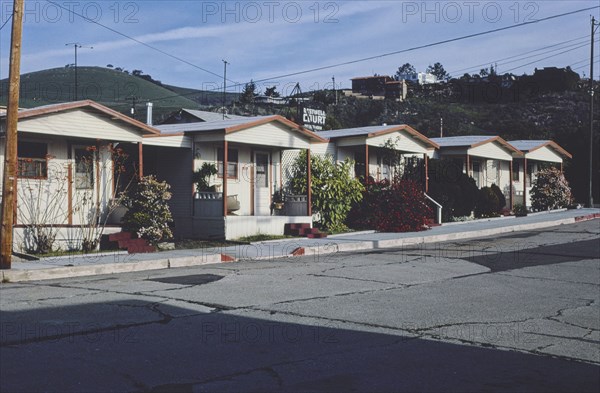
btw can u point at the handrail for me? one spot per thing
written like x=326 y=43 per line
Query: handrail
x=438 y=215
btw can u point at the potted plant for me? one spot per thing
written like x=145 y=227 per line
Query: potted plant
x=202 y=177
x=278 y=200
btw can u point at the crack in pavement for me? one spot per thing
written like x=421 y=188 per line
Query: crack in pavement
x=509 y=273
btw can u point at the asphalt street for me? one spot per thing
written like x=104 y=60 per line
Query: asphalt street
x=518 y=312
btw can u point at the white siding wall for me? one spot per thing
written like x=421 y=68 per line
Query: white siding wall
x=270 y=134
x=491 y=150
x=45 y=201
x=404 y=142
x=544 y=154
x=324 y=149
x=80 y=123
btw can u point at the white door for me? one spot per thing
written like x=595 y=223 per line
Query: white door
x=262 y=184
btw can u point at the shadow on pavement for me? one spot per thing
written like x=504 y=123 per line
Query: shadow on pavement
x=132 y=345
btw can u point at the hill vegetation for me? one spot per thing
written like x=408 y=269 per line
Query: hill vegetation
x=113 y=87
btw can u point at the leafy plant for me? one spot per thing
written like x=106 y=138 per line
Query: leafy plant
x=202 y=176
x=334 y=190
x=149 y=215
x=487 y=204
x=453 y=189
x=550 y=190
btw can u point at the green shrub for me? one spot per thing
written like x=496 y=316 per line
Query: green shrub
x=487 y=203
x=454 y=190
x=334 y=190
x=550 y=190
x=149 y=215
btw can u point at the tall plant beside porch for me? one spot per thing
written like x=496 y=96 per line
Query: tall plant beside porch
x=334 y=190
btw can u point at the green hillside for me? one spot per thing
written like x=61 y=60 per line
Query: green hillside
x=112 y=88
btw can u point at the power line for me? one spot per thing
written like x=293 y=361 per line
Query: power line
x=437 y=43
x=136 y=40
x=524 y=55
x=7 y=20
x=548 y=57
x=583 y=61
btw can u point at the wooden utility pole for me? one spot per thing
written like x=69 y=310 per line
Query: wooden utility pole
x=9 y=192
x=591 y=169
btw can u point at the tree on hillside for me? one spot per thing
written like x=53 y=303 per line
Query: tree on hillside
x=438 y=70
x=270 y=92
x=404 y=69
x=248 y=93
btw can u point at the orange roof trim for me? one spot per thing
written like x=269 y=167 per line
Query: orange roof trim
x=408 y=129
x=500 y=141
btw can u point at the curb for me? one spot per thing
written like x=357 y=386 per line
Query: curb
x=106 y=268
x=333 y=248
x=315 y=251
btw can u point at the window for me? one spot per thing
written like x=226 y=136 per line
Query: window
x=516 y=169
x=32 y=160
x=84 y=168
x=232 y=163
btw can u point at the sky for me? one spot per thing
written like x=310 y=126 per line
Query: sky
x=177 y=42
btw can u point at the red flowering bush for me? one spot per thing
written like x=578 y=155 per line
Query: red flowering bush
x=399 y=206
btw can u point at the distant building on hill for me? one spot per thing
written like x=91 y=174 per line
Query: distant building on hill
x=421 y=78
x=555 y=79
x=379 y=87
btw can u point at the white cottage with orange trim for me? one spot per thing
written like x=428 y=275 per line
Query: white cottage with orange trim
x=535 y=154
x=365 y=145
x=248 y=154
x=66 y=170
x=487 y=159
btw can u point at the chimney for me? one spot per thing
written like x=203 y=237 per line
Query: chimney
x=149 y=113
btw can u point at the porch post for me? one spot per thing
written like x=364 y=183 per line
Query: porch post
x=561 y=167
x=308 y=184
x=525 y=181
x=426 y=172
x=366 y=163
x=225 y=165
x=70 y=194
x=468 y=166
x=141 y=159
x=510 y=184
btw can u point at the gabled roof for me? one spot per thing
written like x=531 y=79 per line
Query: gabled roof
x=528 y=146
x=232 y=125
x=470 y=141
x=67 y=106
x=372 y=131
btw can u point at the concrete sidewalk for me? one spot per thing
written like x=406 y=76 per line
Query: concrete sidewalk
x=121 y=262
